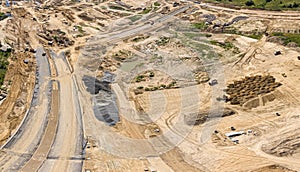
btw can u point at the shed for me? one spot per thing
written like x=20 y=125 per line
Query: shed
x=277 y=53
x=213 y=82
x=234 y=134
x=26 y=61
x=5 y=48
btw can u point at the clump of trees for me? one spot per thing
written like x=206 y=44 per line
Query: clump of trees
x=3 y=65
x=249 y=3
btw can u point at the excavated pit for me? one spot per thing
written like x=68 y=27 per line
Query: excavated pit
x=105 y=100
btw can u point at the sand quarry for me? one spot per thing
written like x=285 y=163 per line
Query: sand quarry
x=155 y=91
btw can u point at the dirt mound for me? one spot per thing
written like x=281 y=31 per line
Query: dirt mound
x=283 y=147
x=19 y=80
x=200 y=118
x=273 y=168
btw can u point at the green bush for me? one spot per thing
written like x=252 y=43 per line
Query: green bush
x=135 y=18
x=3 y=65
x=250 y=3
x=263 y=4
x=156 y=3
x=200 y=25
x=151 y=74
x=146 y=10
x=116 y=8
x=288 y=37
x=139 y=78
x=163 y=86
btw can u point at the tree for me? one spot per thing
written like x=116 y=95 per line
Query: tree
x=250 y=3
x=295 y=5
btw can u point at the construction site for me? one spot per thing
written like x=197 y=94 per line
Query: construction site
x=149 y=85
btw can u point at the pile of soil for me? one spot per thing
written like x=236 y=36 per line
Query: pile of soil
x=200 y=118
x=250 y=87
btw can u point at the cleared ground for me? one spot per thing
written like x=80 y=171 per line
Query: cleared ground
x=163 y=68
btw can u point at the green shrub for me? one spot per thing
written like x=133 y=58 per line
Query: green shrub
x=146 y=10
x=288 y=37
x=139 y=78
x=151 y=74
x=156 y=3
x=3 y=65
x=200 y=25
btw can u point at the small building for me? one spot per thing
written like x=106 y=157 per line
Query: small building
x=213 y=82
x=175 y=4
x=235 y=133
x=26 y=61
x=32 y=50
x=236 y=141
x=5 y=48
x=276 y=53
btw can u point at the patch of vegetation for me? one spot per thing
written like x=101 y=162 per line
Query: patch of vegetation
x=208 y=35
x=121 y=55
x=200 y=25
x=114 y=7
x=140 y=38
x=160 y=87
x=151 y=74
x=79 y=28
x=124 y=14
x=254 y=36
x=135 y=18
x=162 y=41
x=263 y=4
x=249 y=3
x=156 y=58
x=192 y=35
x=2 y=16
x=231 y=30
x=171 y=85
x=288 y=37
x=3 y=65
x=226 y=45
x=140 y=78
x=146 y=10
x=200 y=47
x=156 y=3
x=151 y=88
x=163 y=86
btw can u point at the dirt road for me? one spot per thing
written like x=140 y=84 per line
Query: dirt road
x=258 y=13
x=66 y=151
x=21 y=147
x=51 y=137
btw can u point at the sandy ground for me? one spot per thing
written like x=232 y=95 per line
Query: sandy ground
x=152 y=134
